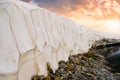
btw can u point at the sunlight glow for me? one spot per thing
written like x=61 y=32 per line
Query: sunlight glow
x=113 y=26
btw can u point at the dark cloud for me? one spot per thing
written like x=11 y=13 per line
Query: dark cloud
x=58 y=3
x=46 y=1
x=26 y=0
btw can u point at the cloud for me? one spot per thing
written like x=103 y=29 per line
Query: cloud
x=46 y=1
x=77 y=9
x=57 y=4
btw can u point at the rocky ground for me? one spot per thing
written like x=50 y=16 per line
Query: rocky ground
x=89 y=66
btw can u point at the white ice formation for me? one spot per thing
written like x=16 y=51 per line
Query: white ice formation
x=31 y=36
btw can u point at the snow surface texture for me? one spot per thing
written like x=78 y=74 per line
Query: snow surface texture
x=31 y=36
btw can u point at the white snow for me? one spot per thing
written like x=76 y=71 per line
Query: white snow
x=31 y=36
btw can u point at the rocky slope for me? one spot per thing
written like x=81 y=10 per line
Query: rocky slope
x=89 y=66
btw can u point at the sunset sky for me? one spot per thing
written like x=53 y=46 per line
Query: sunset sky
x=97 y=14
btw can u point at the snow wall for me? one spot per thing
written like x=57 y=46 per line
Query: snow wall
x=31 y=36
